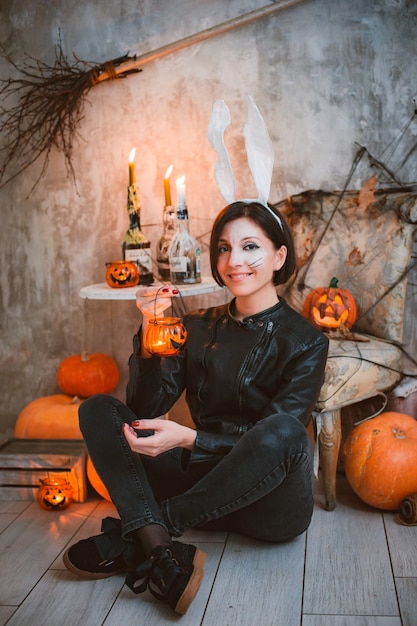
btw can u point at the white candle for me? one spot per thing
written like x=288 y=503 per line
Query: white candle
x=180 y=183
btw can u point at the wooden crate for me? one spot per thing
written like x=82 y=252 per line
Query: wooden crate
x=23 y=462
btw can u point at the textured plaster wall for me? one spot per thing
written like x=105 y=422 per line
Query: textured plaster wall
x=325 y=74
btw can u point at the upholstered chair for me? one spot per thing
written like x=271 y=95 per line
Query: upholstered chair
x=365 y=239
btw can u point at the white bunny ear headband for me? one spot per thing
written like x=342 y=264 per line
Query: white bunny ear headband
x=259 y=151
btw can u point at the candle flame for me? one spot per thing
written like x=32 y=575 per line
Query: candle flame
x=132 y=155
x=180 y=180
x=168 y=172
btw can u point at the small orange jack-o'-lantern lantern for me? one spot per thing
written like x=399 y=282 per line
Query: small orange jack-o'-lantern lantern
x=165 y=336
x=54 y=493
x=330 y=307
x=121 y=274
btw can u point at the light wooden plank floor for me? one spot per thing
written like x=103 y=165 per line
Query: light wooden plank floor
x=353 y=567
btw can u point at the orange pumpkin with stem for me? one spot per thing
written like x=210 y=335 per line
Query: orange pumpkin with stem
x=49 y=417
x=331 y=307
x=380 y=459
x=86 y=374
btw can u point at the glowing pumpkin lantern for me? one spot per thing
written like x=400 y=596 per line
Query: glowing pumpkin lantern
x=55 y=493
x=329 y=308
x=165 y=336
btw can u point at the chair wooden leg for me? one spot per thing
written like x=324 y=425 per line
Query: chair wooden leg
x=329 y=445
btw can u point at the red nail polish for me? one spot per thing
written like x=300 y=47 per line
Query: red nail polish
x=175 y=291
x=165 y=289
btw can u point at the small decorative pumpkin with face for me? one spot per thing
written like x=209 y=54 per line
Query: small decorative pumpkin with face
x=329 y=308
x=120 y=274
x=165 y=336
x=54 y=493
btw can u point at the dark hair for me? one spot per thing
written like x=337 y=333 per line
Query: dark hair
x=279 y=236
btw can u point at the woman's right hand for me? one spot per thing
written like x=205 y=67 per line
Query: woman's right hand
x=153 y=301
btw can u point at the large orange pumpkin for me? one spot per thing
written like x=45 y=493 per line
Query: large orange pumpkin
x=96 y=481
x=330 y=307
x=49 y=417
x=85 y=374
x=380 y=459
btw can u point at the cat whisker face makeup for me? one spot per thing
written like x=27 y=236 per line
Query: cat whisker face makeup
x=257 y=263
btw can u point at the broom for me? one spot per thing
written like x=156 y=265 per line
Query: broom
x=50 y=98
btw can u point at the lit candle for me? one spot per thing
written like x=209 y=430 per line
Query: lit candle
x=132 y=175
x=160 y=347
x=167 y=186
x=180 y=182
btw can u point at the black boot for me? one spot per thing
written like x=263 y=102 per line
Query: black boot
x=103 y=555
x=172 y=573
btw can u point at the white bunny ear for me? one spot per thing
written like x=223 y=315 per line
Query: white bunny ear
x=223 y=173
x=259 y=151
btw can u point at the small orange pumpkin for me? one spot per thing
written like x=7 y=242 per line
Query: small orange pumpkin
x=330 y=307
x=120 y=274
x=380 y=459
x=86 y=374
x=96 y=481
x=49 y=417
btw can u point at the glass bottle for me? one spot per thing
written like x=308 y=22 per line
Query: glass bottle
x=184 y=252
x=135 y=246
x=162 y=248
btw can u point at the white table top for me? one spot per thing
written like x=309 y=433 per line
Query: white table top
x=102 y=291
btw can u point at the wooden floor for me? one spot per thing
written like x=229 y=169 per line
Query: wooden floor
x=354 y=566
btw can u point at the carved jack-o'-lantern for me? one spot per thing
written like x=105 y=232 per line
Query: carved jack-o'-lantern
x=330 y=307
x=54 y=493
x=165 y=336
x=121 y=274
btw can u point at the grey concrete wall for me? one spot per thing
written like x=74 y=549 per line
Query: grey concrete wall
x=325 y=74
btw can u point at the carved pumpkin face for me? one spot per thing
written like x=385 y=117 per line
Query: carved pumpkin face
x=330 y=307
x=54 y=493
x=121 y=274
x=165 y=336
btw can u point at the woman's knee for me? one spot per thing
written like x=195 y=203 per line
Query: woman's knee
x=283 y=429
x=95 y=409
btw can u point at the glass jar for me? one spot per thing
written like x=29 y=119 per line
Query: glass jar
x=165 y=336
x=54 y=493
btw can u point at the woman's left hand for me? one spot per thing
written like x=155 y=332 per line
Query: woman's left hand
x=167 y=435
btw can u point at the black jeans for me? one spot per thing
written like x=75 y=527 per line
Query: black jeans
x=262 y=488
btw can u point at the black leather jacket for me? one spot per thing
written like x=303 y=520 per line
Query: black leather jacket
x=234 y=372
